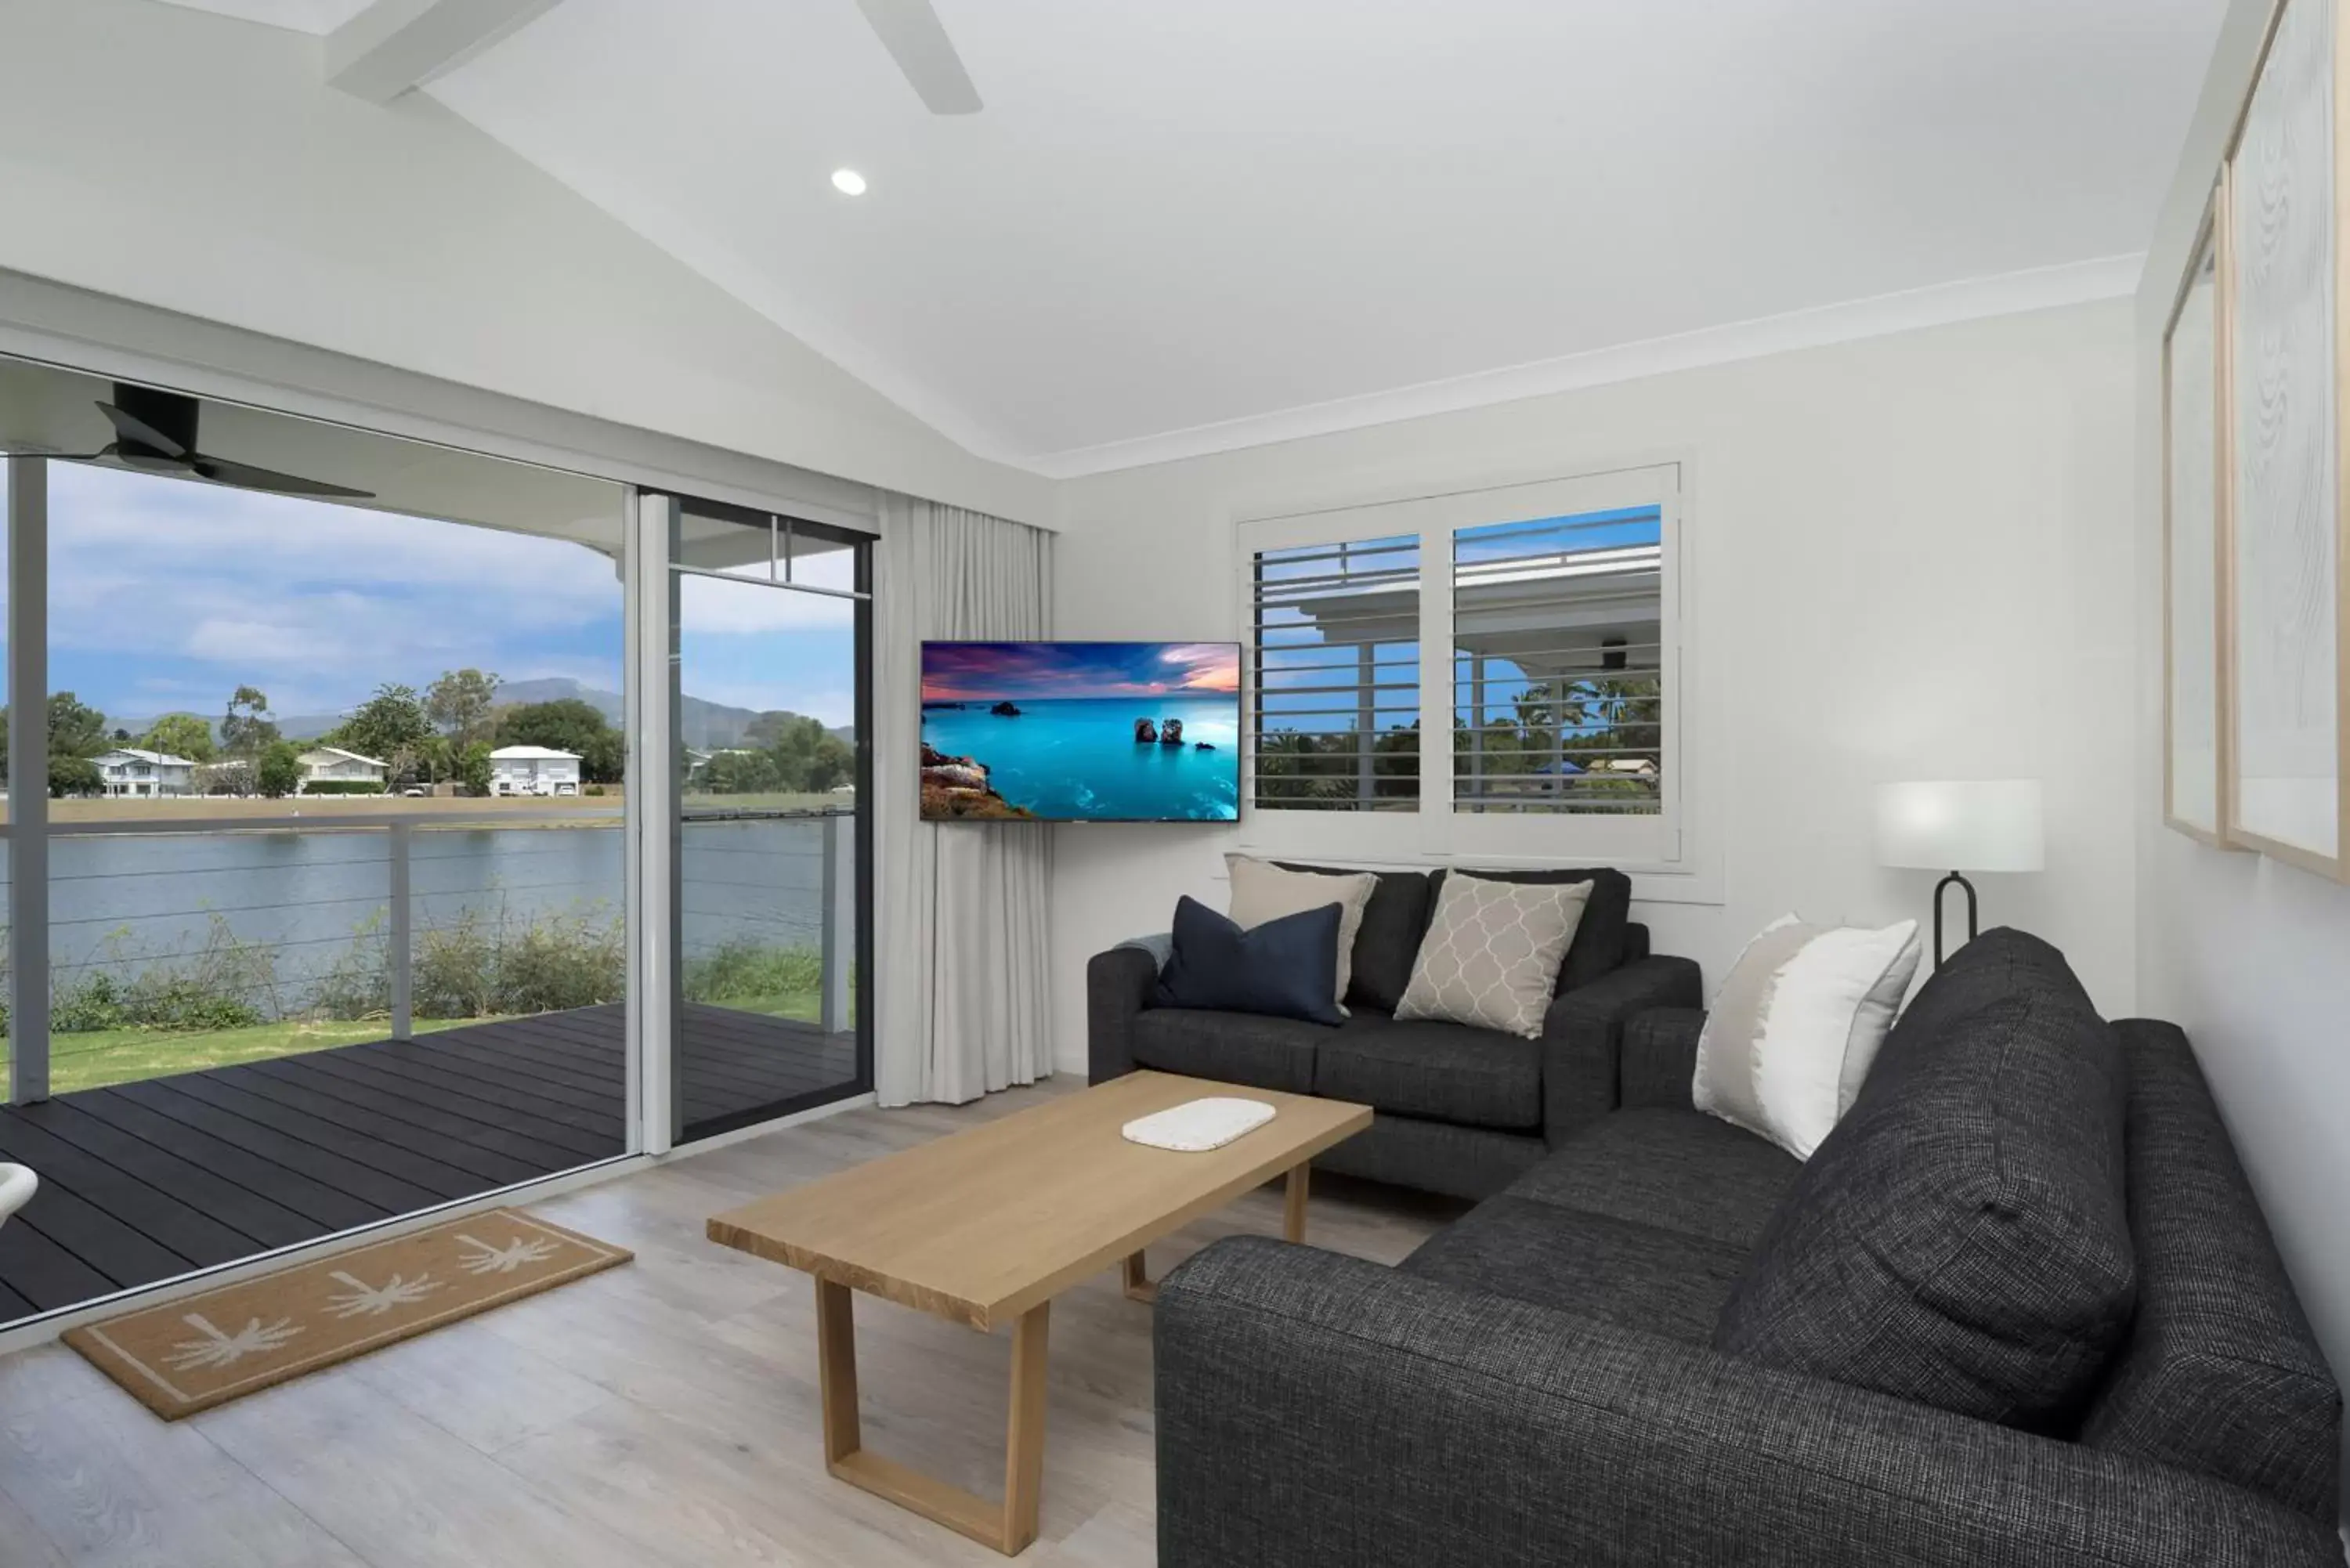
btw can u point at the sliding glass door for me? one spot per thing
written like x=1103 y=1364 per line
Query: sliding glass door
x=768 y=716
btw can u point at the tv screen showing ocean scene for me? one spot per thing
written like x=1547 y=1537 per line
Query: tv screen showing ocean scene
x=1081 y=731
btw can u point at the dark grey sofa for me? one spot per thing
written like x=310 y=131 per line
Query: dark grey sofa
x=1460 y=1111
x=1546 y=1382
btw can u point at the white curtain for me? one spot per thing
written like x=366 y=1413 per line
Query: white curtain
x=963 y=1006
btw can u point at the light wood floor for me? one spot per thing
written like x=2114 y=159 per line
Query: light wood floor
x=658 y=1415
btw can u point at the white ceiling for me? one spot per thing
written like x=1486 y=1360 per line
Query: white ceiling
x=1222 y=213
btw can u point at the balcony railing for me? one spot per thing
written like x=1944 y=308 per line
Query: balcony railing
x=237 y=937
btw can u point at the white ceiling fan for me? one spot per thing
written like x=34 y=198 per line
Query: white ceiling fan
x=911 y=30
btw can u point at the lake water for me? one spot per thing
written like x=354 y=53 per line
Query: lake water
x=118 y=903
x=1078 y=757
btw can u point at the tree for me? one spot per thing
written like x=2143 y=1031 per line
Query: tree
x=473 y=768
x=247 y=728
x=606 y=760
x=388 y=726
x=809 y=757
x=566 y=725
x=741 y=772
x=180 y=735
x=73 y=775
x=279 y=772
x=436 y=758
x=76 y=729
x=460 y=705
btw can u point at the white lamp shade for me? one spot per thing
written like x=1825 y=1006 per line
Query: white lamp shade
x=1983 y=825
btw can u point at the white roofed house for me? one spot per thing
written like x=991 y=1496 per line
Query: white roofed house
x=534 y=769
x=334 y=765
x=129 y=771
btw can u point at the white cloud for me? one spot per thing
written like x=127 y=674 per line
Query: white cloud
x=713 y=607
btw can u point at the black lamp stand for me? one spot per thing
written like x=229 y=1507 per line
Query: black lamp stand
x=1970 y=888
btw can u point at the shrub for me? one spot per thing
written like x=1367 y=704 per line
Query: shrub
x=741 y=968
x=343 y=786
x=482 y=965
x=226 y=983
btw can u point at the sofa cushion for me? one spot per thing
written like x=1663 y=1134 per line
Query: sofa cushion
x=1230 y=1047
x=1608 y=1270
x=1678 y=1170
x=1285 y=968
x=1388 y=937
x=1599 y=941
x=1435 y=1156
x=1444 y=1072
x=2222 y=1374
x=1961 y=1237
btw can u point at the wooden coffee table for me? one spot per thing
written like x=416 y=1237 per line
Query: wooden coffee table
x=987 y=1226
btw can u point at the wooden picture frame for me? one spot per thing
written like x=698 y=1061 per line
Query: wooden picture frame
x=2195 y=448
x=2286 y=521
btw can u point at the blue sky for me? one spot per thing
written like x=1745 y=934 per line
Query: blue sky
x=166 y=596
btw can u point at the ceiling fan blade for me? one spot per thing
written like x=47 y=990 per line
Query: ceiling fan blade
x=131 y=428
x=244 y=476
x=911 y=30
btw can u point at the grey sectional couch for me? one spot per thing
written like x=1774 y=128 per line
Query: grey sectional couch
x=1460 y=1111
x=2018 y=1309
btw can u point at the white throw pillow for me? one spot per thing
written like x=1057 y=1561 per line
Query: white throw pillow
x=1262 y=891
x=1798 y=1021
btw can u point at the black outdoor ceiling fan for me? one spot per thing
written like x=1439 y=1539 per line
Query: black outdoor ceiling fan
x=156 y=431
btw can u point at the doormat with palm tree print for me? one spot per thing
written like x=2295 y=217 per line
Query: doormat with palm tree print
x=204 y=1350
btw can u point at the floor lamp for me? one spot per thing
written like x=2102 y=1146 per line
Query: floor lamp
x=1980 y=826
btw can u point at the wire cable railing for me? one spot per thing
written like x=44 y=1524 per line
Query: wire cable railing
x=443 y=917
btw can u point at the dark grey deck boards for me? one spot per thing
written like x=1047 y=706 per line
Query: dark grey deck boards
x=146 y=1182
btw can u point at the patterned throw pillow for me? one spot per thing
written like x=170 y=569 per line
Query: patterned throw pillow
x=1492 y=952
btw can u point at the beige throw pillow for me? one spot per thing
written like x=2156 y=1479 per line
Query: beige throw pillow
x=1262 y=891
x=1791 y=1036
x=1492 y=952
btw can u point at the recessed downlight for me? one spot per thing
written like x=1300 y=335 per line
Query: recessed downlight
x=849 y=182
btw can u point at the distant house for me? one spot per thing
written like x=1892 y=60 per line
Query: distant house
x=332 y=764
x=128 y=771
x=534 y=769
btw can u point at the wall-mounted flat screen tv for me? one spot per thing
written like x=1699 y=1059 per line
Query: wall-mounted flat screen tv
x=1081 y=731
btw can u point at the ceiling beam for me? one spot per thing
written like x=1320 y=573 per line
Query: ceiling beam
x=397 y=46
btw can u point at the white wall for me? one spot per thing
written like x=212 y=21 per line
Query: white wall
x=1910 y=558
x=199 y=163
x=2250 y=957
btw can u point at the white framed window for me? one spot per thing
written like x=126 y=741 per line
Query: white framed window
x=1492 y=673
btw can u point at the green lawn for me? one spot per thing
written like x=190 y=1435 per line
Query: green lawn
x=100 y=1057
x=103 y=1056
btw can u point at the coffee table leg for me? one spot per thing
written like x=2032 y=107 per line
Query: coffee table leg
x=1009 y=1526
x=1024 y=1436
x=1293 y=1208
x=1137 y=1279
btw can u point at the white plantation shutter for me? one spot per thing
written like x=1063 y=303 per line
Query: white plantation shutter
x=1558 y=664
x=1335 y=719
x=1544 y=620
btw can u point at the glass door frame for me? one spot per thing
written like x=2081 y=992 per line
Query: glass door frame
x=655 y=822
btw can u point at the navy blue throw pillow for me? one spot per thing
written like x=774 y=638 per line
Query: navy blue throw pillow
x=1286 y=967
